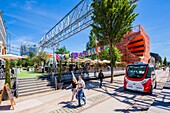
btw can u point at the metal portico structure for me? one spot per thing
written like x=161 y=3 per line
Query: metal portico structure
x=78 y=19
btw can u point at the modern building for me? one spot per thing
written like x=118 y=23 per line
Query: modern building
x=135 y=46
x=2 y=35
x=26 y=49
x=157 y=59
x=156 y=56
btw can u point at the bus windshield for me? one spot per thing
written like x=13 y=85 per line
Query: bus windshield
x=136 y=71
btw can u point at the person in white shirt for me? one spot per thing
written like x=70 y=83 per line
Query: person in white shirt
x=81 y=86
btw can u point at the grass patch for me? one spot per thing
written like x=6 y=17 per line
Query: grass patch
x=29 y=74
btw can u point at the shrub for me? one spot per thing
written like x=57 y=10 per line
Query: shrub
x=28 y=68
x=7 y=69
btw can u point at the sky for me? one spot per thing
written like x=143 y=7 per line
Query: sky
x=28 y=20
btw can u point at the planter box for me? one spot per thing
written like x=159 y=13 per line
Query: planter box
x=59 y=86
x=2 y=82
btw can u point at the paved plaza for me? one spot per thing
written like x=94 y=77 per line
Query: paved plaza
x=110 y=98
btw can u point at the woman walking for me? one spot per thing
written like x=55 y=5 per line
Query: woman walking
x=74 y=86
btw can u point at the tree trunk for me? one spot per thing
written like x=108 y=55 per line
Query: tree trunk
x=111 y=61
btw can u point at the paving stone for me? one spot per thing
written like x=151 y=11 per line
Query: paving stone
x=90 y=102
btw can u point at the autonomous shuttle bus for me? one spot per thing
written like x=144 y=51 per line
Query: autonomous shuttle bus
x=140 y=77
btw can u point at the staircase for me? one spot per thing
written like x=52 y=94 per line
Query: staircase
x=29 y=86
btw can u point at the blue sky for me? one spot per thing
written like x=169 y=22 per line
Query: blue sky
x=30 y=19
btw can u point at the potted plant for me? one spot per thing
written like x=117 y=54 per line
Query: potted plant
x=59 y=78
x=7 y=78
x=62 y=51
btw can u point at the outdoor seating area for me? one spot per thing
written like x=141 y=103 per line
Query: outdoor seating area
x=87 y=66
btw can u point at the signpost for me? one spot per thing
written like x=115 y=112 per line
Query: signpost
x=10 y=95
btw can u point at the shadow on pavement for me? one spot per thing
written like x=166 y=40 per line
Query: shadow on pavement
x=70 y=106
x=133 y=99
x=6 y=107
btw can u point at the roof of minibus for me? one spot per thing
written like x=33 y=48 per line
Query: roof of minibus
x=141 y=65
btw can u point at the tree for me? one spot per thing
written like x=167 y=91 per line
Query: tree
x=92 y=41
x=13 y=63
x=42 y=57
x=31 y=54
x=7 y=70
x=35 y=60
x=161 y=61
x=165 y=62
x=19 y=62
x=112 y=19
x=61 y=50
x=105 y=55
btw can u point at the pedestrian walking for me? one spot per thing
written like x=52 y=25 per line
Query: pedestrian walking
x=80 y=93
x=101 y=76
x=74 y=86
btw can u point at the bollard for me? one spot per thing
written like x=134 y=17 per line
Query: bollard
x=55 y=82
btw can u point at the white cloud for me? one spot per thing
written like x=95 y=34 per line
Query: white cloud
x=27 y=21
x=158 y=27
x=28 y=4
x=11 y=22
x=18 y=18
x=160 y=44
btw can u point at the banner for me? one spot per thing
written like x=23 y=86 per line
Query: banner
x=58 y=57
x=106 y=47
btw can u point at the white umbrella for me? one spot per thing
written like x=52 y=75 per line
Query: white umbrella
x=106 y=61
x=87 y=59
x=68 y=60
x=98 y=61
x=79 y=60
x=10 y=56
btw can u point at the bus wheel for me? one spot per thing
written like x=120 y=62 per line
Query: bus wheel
x=124 y=89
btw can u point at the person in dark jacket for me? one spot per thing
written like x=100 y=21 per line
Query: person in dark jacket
x=101 y=76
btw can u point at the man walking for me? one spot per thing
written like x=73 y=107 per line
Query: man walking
x=101 y=76
x=81 y=86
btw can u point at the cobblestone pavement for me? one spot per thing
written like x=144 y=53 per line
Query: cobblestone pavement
x=110 y=98
x=74 y=109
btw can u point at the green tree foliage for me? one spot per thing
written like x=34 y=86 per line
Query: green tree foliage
x=19 y=62
x=35 y=60
x=161 y=61
x=31 y=54
x=62 y=50
x=92 y=44
x=26 y=62
x=165 y=62
x=92 y=41
x=112 y=19
x=42 y=57
x=105 y=55
x=13 y=63
x=7 y=70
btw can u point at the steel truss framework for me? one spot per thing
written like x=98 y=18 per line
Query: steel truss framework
x=78 y=19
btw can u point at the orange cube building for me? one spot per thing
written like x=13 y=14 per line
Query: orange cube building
x=135 y=46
